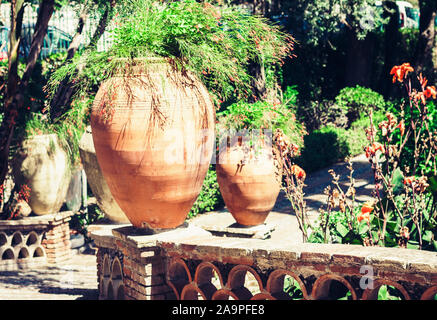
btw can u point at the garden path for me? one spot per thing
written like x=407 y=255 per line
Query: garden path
x=77 y=278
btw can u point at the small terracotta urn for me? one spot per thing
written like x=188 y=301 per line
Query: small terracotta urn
x=247 y=183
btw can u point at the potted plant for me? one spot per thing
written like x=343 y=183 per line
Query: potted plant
x=153 y=117
x=43 y=165
x=246 y=167
x=97 y=182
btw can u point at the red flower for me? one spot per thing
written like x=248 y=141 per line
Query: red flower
x=430 y=92
x=3 y=56
x=298 y=172
x=400 y=72
x=294 y=148
x=401 y=127
x=371 y=150
x=366 y=209
x=363 y=216
x=409 y=180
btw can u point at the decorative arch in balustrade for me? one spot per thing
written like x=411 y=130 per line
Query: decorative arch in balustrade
x=111 y=278
x=17 y=245
x=211 y=283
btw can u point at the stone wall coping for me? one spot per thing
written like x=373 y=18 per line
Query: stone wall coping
x=102 y=234
x=42 y=220
x=137 y=238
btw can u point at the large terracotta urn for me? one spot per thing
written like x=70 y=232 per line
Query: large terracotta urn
x=247 y=183
x=97 y=183
x=153 y=132
x=43 y=165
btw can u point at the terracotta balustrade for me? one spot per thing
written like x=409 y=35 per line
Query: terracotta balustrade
x=190 y=263
x=35 y=241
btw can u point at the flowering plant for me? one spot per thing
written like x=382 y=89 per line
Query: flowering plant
x=403 y=209
x=12 y=209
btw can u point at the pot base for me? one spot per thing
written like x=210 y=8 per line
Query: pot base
x=147 y=231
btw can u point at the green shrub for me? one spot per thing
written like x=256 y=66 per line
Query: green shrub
x=357 y=100
x=356 y=134
x=210 y=197
x=323 y=147
x=261 y=115
x=290 y=96
x=318 y=114
x=216 y=43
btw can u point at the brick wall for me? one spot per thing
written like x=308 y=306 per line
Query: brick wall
x=35 y=241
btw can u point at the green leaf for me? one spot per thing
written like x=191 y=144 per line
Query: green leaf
x=428 y=236
x=356 y=241
x=391 y=226
x=397 y=181
x=363 y=227
x=433 y=184
x=341 y=229
x=382 y=293
x=412 y=244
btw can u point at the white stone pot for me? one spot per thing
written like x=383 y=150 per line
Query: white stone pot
x=97 y=182
x=42 y=164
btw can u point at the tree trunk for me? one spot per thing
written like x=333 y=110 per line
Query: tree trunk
x=426 y=42
x=10 y=113
x=359 y=60
x=391 y=40
x=45 y=12
x=62 y=98
x=77 y=38
x=258 y=83
x=16 y=87
x=17 y=12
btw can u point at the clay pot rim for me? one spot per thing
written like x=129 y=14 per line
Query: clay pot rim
x=139 y=66
x=136 y=66
x=151 y=59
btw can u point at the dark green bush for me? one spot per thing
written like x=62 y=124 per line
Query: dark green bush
x=210 y=197
x=323 y=147
x=318 y=114
x=358 y=100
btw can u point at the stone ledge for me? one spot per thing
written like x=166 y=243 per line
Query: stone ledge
x=195 y=243
x=149 y=242
x=38 y=221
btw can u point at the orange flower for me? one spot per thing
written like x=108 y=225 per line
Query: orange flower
x=423 y=81
x=363 y=216
x=420 y=96
x=298 y=172
x=430 y=92
x=400 y=72
x=401 y=127
x=371 y=150
x=366 y=208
